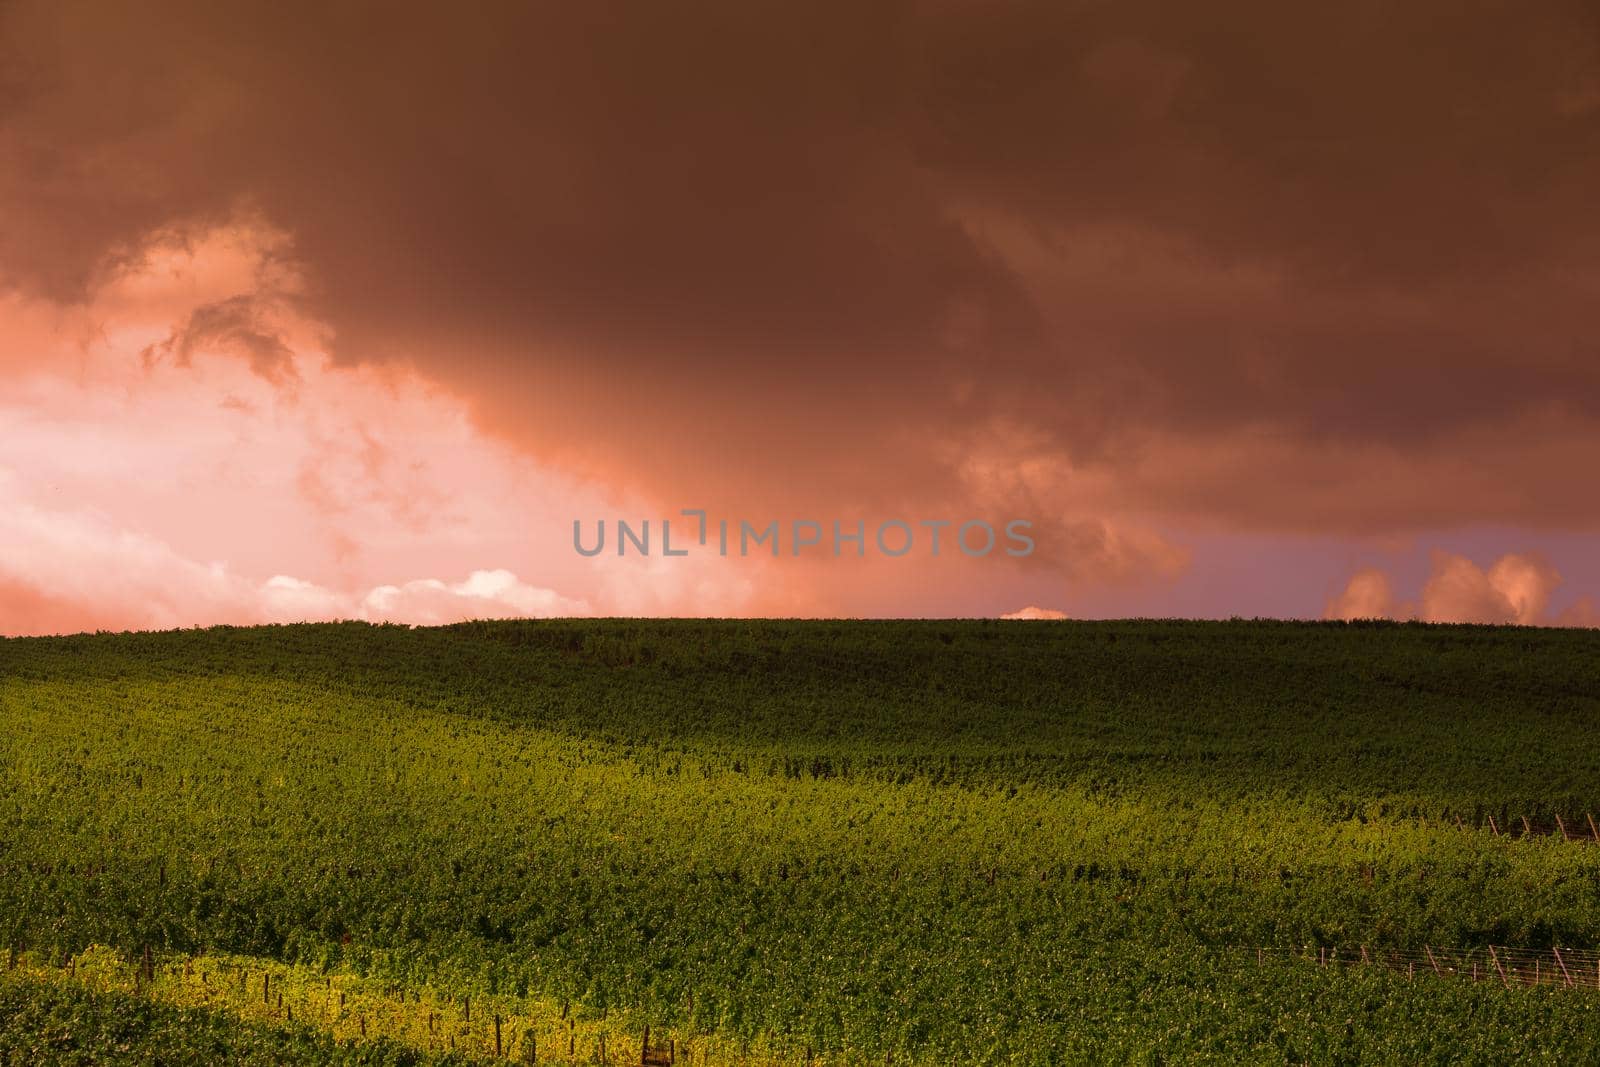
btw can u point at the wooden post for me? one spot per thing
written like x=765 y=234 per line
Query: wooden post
x=644 y=1049
x=466 y=1007
x=1493 y=827
x=266 y=988
x=1561 y=826
x=1364 y=958
x=1527 y=831
x=1595 y=831
x=1562 y=963
x=497 y=1049
x=1429 y=950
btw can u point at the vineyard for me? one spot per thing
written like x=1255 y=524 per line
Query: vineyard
x=791 y=842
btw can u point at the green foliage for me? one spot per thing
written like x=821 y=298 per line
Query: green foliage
x=48 y=1023
x=1024 y=842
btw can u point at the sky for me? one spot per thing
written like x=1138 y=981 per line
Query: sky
x=351 y=311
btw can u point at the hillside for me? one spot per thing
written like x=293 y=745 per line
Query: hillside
x=932 y=841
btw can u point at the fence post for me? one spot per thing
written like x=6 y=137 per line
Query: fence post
x=1562 y=963
x=1495 y=957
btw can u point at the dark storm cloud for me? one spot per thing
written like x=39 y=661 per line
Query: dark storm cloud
x=795 y=253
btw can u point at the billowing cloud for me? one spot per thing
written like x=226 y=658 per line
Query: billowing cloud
x=64 y=571
x=1524 y=583
x=1366 y=596
x=172 y=479
x=1035 y=614
x=484 y=595
x=372 y=301
x=1516 y=588
x=1264 y=267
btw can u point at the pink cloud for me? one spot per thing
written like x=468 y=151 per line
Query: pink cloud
x=1367 y=596
x=1581 y=613
x=65 y=571
x=182 y=451
x=1524 y=583
x=1516 y=588
x=484 y=595
x=1033 y=614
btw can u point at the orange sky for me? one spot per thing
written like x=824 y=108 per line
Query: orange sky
x=1249 y=308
